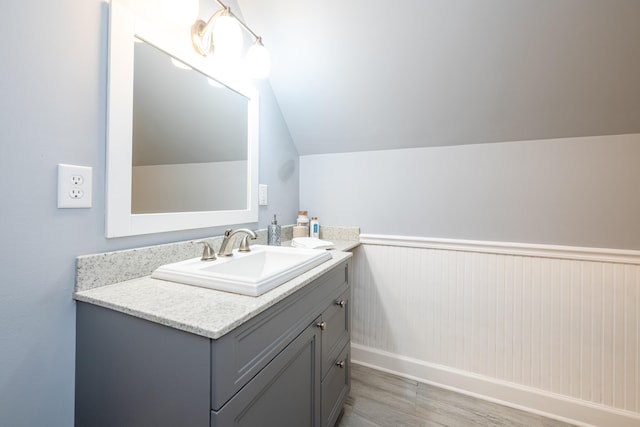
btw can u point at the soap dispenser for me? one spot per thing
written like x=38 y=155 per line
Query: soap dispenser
x=273 y=233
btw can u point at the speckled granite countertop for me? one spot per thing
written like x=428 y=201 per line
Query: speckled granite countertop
x=101 y=280
x=201 y=311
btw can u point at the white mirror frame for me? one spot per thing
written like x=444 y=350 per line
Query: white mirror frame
x=123 y=27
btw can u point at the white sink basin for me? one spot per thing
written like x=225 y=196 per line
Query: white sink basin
x=249 y=273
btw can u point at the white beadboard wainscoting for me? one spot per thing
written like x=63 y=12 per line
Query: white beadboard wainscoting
x=551 y=329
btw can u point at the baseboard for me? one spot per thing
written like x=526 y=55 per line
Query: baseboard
x=562 y=408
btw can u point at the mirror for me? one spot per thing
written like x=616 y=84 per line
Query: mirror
x=182 y=140
x=188 y=131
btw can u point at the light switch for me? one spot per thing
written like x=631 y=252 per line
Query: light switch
x=262 y=194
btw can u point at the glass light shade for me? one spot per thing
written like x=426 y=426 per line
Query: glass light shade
x=258 y=61
x=227 y=37
x=181 y=12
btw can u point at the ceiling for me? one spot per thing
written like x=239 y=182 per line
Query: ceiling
x=369 y=74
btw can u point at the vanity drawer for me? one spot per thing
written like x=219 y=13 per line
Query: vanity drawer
x=335 y=387
x=239 y=355
x=336 y=329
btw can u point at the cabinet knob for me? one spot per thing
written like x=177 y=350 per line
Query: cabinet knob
x=341 y=303
x=322 y=325
x=340 y=364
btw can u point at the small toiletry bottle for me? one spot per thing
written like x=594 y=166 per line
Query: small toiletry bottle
x=273 y=233
x=303 y=221
x=314 y=227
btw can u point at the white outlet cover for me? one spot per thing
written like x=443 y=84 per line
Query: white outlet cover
x=74 y=180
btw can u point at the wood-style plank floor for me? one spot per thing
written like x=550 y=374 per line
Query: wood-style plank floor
x=378 y=399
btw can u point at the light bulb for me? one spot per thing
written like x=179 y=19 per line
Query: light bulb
x=181 y=12
x=227 y=37
x=258 y=61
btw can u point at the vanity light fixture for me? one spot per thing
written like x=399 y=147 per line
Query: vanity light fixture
x=181 y=12
x=221 y=35
x=258 y=60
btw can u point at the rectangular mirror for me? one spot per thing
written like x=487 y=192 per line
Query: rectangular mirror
x=182 y=143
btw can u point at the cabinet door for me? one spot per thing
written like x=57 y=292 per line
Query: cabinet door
x=335 y=330
x=284 y=393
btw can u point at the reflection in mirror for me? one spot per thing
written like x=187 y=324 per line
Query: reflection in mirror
x=190 y=138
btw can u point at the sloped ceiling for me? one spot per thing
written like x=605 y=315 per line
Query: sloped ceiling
x=353 y=75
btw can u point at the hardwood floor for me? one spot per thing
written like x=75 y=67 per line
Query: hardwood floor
x=379 y=399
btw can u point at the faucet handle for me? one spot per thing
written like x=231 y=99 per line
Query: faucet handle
x=244 y=244
x=208 y=254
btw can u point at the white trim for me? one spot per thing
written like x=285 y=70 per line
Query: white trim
x=124 y=25
x=618 y=256
x=575 y=411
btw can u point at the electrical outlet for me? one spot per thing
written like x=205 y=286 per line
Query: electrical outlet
x=74 y=186
x=76 y=193
x=77 y=179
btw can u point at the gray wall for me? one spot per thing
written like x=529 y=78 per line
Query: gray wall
x=52 y=110
x=445 y=72
x=579 y=191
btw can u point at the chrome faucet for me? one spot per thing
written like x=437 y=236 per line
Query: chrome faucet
x=229 y=238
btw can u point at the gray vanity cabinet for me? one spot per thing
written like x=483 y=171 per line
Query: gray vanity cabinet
x=287 y=366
